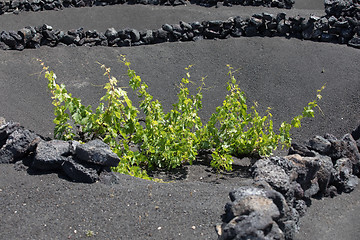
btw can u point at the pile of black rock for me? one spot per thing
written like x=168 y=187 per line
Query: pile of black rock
x=340 y=25
x=17 y=6
x=87 y=163
x=269 y=208
x=283 y=187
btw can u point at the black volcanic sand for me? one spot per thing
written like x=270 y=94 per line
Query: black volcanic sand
x=275 y=72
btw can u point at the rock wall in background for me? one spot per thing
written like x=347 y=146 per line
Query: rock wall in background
x=17 y=6
x=340 y=25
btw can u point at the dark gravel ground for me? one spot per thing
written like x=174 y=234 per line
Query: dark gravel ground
x=276 y=72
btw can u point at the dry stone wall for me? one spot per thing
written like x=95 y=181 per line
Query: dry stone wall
x=88 y=163
x=342 y=29
x=283 y=187
x=341 y=24
x=269 y=208
x=17 y=6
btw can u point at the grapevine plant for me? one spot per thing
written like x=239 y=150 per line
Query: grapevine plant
x=168 y=140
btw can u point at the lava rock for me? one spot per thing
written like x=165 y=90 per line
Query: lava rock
x=51 y=154
x=345 y=181
x=320 y=145
x=98 y=152
x=78 y=172
x=7 y=39
x=301 y=149
x=111 y=33
x=355 y=42
x=253 y=212
x=18 y=145
x=265 y=170
x=251 y=226
x=135 y=35
x=6 y=129
x=346 y=147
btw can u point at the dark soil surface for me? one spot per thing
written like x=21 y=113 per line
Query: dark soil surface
x=275 y=72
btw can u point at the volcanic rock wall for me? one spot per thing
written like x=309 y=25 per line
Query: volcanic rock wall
x=270 y=208
x=283 y=187
x=342 y=29
x=340 y=25
x=17 y=6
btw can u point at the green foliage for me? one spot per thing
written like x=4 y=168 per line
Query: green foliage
x=169 y=140
x=114 y=120
x=233 y=130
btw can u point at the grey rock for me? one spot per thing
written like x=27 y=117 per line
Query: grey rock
x=283 y=28
x=301 y=207
x=3 y=46
x=91 y=34
x=37 y=38
x=68 y=39
x=78 y=172
x=47 y=27
x=27 y=34
x=161 y=34
x=306 y=169
x=325 y=37
x=301 y=149
x=268 y=16
x=18 y=145
x=167 y=27
x=251 y=226
x=111 y=33
x=20 y=166
x=228 y=24
x=50 y=35
x=215 y=25
x=354 y=42
x=346 y=147
x=280 y=16
x=250 y=31
x=177 y=28
x=185 y=26
x=51 y=154
x=345 y=181
x=265 y=170
x=325 y=174
x=237 y=32
x=196 y=25
x=210 y=34
x=16 y=36
x=330 y=137
x=320 y=145
x=98 y=152
x=6 y=129
x=346 y=33
x=7 y=39
x=256 y=21
x=49 y=6
x=147 y=36
x=323 y=24
x=307 y=34
x=337 y=7
x=135 y=35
